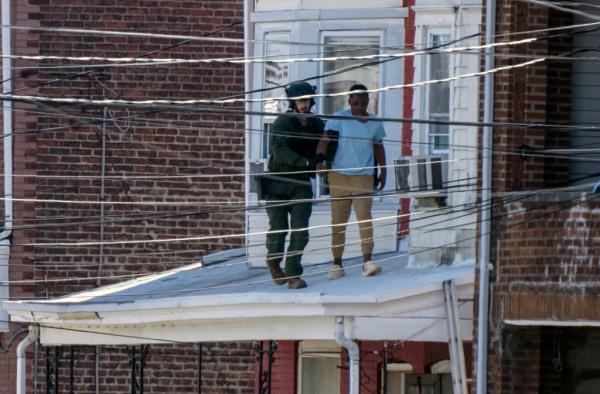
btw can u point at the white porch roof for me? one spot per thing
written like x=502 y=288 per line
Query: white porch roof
x=230 y=301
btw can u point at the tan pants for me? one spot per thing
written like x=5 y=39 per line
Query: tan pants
x=352 y=186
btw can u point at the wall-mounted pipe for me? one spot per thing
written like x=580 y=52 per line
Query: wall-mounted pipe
x=21 y=360
x=486 y=214
x=353 y=354
x=8 y=159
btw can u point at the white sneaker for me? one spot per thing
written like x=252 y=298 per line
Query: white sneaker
x=335 y=272
x=370 y=268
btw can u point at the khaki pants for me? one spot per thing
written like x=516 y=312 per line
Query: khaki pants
x=355 y=187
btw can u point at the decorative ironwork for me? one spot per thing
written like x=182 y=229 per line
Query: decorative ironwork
x=137 y=363
x=200 y=368
x=71 y=368
x=264 y=375
x=52 y=369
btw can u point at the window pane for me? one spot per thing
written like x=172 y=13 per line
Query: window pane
x=340 y=82
x=320 y=375
x=439 y=94
x=265 y=140
x=276 y=74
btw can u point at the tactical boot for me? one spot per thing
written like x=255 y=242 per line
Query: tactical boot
x=276 y=273
x=296 y=283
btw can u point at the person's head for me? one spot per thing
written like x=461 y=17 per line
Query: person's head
x=298 y=89
x=358 y=101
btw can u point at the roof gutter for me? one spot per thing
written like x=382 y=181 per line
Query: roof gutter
x=8 y=159
x=21 y=359
x=486 y=194
x=353 y=354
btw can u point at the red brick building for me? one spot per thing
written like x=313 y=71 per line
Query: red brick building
x=176 y=173
x=544 y=250
x=61 y=153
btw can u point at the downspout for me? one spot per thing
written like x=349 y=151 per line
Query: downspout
x=8 y=157
x=21 y=360
x=247 y=106
x=486 y=193
x=101 y=250
x=353 y=354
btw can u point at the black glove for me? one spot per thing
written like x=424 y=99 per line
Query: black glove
x=313 y=161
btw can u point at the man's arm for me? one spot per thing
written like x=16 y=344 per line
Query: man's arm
x=322 y=150
x=280 y=145
x=379 y=151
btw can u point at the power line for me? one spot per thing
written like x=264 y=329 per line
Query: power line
x=319 y=272
x=427 y=226
x=108 y=102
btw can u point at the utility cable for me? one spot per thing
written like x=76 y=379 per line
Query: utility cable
x=428 y=226
x=265 y=99
x=319 y=272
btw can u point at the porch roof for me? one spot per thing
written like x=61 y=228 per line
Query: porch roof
x=225 y=299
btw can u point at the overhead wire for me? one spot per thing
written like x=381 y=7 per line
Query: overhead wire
x=444 y=211
x=324 y=271
x=110 y=102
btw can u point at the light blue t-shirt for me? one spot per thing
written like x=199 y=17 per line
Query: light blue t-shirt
x=354 y=155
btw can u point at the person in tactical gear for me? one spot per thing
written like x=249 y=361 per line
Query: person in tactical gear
x=292 y=144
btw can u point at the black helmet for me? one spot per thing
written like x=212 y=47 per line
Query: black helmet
x=297 y=89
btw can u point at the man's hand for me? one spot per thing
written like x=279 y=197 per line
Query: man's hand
x=381 y=178
x=314 y=161
x=321 y=169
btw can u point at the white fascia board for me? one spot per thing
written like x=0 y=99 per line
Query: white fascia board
x=240 y=305
x=552 y=323
x=274 y=328
x=428 y=305
x=319 y=328
x=433 y=283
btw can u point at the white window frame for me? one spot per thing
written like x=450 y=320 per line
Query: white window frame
x=379 y=33
x=257 y=143
x=429 y=32
x=387 y=23
x=319 y=186
x=317 y=349
x=402 y=368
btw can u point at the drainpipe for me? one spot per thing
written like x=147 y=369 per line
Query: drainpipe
x=8 y=158
x=248 y=35
x=21 y=360
x=353 y=354
x=101 y=250
x=486 y=193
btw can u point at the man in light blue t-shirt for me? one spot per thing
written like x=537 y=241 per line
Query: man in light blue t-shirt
x=359 y=138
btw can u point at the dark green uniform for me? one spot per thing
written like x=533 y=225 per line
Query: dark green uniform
x=291 y=145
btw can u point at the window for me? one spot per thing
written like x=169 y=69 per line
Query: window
x=276 y=77
x=400 y=380
x=340 y=75
x=319 y=367
x=396 y=377
x=438 y=95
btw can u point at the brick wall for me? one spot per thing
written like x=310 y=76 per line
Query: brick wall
x=167 y=147
x=543 y=252
x=224 y=368
x=421 y=355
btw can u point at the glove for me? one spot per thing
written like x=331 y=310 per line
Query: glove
x=313 y=161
